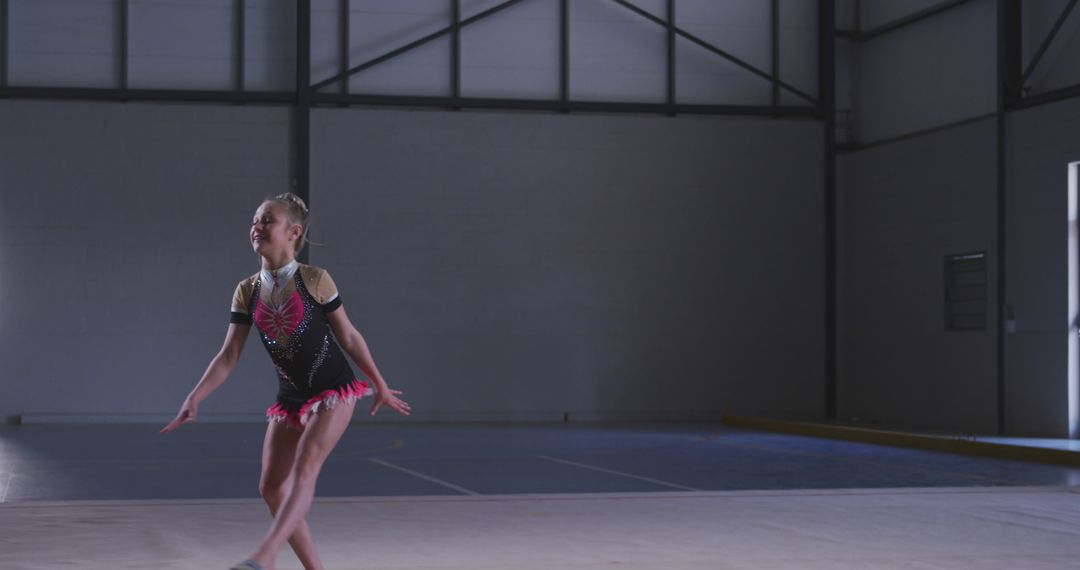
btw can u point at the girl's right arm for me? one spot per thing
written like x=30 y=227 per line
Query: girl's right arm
x=220 y=367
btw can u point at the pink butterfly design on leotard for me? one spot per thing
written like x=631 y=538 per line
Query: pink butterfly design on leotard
x=280 y=321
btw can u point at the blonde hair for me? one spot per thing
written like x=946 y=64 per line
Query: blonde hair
x=297 y=212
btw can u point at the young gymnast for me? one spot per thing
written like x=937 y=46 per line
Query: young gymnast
x=294 y=307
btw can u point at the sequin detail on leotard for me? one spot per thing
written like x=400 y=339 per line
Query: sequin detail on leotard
x=282 y=320
x=319 y=359
x=285 y=324
x=323 y=401
x=311 y=368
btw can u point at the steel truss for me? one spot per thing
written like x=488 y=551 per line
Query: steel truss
x=454 y=29
x=306 y=95
x=316 y=93
x=1010 y=34
x=1020 y=99
x=905 y=21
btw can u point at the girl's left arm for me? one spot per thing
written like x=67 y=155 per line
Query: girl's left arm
x=353 y=344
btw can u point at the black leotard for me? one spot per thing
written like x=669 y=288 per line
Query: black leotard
x=291 y=319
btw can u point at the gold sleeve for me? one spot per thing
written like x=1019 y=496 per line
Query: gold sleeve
x=322 y=288
x=241 y=296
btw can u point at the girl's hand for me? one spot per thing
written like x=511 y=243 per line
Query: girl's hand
x=188 y=412
x=393 y=402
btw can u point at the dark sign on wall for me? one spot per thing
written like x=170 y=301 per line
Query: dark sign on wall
x=965 y=291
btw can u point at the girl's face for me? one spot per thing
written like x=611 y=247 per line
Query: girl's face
x=271 y=229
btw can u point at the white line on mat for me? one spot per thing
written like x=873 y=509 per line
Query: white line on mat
x=630 y=475
x=422 y=476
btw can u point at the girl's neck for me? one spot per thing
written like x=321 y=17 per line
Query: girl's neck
x=275 y=264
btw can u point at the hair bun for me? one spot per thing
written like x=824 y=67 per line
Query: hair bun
x=289 y=196
x=297 y=212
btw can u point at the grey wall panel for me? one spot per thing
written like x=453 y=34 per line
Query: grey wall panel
x=1062 y=67
x=845 y=83
x=514 y=53
x=174 y=44
x=325 y=41
x=739 y=27
x=798 y=48
x=934 y=72
x=702 y=77
x=616 y=55
x=180 y=45
x=424 y=71
x=846 y=385
x=1059 y=66
x=905 y=206
x=270 y=44
x=1036 y=21
x=875 y=13
x=526 y=263
x=499 y=263
x=847 y=12
x=1042 y=142
x=125 y=231
x=742 y=29
x=62 y=43
x=378 y=26
x=470 y=8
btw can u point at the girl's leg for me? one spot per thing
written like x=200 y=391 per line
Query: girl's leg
x=320 y=436
x=279 y=454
